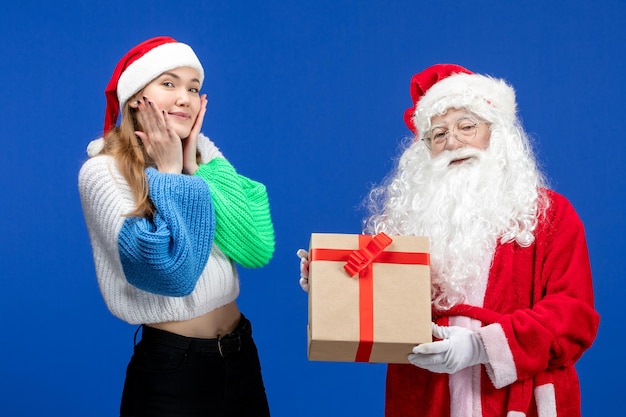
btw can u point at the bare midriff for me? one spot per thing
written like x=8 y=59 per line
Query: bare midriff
x=215 y=323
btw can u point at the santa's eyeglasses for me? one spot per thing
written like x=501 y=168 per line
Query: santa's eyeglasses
x=463 y=130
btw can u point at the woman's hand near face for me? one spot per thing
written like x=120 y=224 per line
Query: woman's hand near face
x=161 y=141
x=190 y=145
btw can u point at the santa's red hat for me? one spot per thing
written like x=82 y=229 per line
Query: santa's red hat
x=142 y=64
x=444 y=86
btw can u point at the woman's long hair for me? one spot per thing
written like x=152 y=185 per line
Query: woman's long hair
x=126 y=148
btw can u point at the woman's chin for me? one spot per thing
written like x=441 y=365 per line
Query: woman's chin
x=183 y=133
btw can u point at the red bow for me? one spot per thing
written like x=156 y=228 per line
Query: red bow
x=361 y=258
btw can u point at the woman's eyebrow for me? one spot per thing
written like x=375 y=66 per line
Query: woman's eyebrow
x=171 y=74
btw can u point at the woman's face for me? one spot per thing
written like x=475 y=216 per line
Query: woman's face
x=177 y=92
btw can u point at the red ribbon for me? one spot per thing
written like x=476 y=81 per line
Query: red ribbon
x=364 y=256
x=370 y=250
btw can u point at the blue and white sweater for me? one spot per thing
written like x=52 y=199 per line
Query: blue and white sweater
x=164 y=269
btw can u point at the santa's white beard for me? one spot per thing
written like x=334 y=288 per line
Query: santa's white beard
x=463 y=209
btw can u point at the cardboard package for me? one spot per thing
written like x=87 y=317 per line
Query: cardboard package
x=369 y=297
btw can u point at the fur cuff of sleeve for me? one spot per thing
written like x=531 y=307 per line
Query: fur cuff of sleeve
x=501 y=367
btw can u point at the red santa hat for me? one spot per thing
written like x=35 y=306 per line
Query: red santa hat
x=444 y=86
x=142 y=64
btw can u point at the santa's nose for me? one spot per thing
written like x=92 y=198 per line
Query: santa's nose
x=452 y=142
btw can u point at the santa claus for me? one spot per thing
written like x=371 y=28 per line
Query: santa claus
x=512 y=293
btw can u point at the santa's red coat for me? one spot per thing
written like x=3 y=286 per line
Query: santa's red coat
x=538 y=318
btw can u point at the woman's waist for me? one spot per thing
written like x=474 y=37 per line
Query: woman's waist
x=214 y=324
x=226 y=345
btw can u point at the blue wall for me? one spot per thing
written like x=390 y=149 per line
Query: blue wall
x=308 y=98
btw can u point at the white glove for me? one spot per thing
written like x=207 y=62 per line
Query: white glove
x=459 y=349
x=304 y=269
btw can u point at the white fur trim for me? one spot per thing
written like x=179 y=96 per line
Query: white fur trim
x=464 y=385
x=465 y=91
x=95 y=147
x=462 y=392
x=546 y=400
x=501 y=367
x=152 y=64
x=515 y=414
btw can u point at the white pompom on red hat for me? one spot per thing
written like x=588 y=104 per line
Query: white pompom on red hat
x=142 y=64
x=444 y=86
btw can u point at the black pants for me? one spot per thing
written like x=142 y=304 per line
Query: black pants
x=174 y=376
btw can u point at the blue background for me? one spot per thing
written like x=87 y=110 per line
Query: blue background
x=307 y=97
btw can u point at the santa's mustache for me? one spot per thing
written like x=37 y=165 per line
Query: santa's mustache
x=446 y=158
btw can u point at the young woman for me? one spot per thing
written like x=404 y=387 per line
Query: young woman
x=168 y=218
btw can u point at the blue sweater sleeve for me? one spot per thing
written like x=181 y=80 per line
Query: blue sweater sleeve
x=165 y=255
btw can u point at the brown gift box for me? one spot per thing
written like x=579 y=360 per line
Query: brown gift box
x=378 y=315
